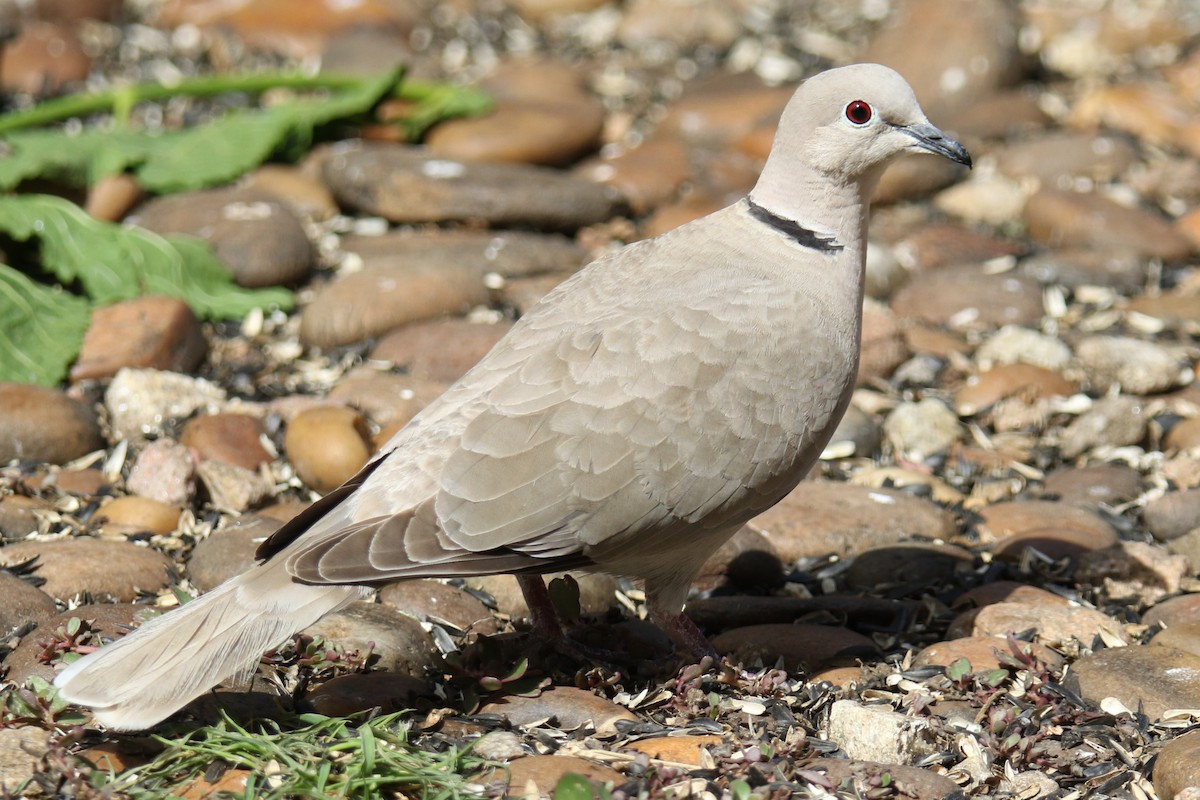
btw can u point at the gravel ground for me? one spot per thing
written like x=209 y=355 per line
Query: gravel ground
x=985 y=589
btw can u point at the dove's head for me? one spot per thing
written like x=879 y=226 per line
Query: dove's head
x=846 y=124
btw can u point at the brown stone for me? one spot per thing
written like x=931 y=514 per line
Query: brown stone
x=540 y=774
x=1147 y=679
x=818 y=518
x=327 y=446
x=1056 y=159
x=19 y=515
x=1053 y=625
x=1008 y=518
x=21 y=603
x=232 y=438
x=152 y=332
x=134 y=514
x=801 y=646
x=228 y=551
x=255 y=235
x=982 y=391
x=305 y=194
x=351 y=694
x=883 y=346
x=387 y=399
x=42 y=59
x=40 y=424
x=398 y=641
x=946 y=244
x=433 y=601
x=904 y=780
x=100 y=567
x=1177 y=767
x=1054 y=542
x=982 y=652
x=966 y=298
x=687 y=750
x=108 y=621
x=1074 y=219
x=568 y=708
x=439 y=350
x=648 y=175
x=112 y=196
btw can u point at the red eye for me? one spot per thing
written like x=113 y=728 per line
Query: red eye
x=858 y=112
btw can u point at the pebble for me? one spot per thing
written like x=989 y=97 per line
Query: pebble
x=542 y=115
x=1151 y=680
x=108 y=620
x=818 y=518
x=912 y=177
x=327 y=445
x=228 y=551
x=563 y=707
x=907 y=564
x=857 y=434
x=398 y=640
x=987 y=199
x=382 y=297
x=21 y=603
x=164 y=471
x=801 y=647
x=1057 y=543
x=140 y=401
x=647 y=176
x=1058 y=218
x=904 y=780
x=19 y=515
x=1184 y=436
x=1074 y=267
x=499 y=746
x=255 y=235
x=1153 y=111
x=42 y=59
x=509 y=254
x=921 y=430
x=982 y=653
x=1000 y=520
x=883 y=346
x=947 y=244
x=1113 y=421
x=1181 y=610
x=1053 y=625
x=980 y=392
x=408 y=184
x=875 y=733
x=1177 y=767
x=1183 y=636
x=433 y=601
x=304 y=194
x=691 y=750
x=231 y=438
x=1016 y=345
x=21 y=749
x=363 y=691
x=1058 y=158
x=387 y=399
x=1093 y=486
x=133 y=514
x=747 y=561
x=950 y=58
x=151 y=332
x=964 y=298
x=439 y=350
x=231 y=488
x=82 y=482
x=283 y=27
x=682 y=24
x=1174 y=309
x=111 y=197
x=1006 y=591
x=719 y=110
x=41 y=424
x=99 y=567
x=1137 y=366
x=1172 y=514
x=538 y=776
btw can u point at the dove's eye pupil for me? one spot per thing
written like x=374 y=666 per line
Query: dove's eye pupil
x=858 y=112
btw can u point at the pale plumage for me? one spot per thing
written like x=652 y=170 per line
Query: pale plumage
x=629 y=423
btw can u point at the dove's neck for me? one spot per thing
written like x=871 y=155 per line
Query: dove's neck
x=834 y=211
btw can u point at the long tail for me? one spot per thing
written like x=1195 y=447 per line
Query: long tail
x=144 y=677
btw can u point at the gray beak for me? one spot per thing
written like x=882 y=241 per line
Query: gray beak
x=932 y=140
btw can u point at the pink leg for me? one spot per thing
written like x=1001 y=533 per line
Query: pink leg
x=537 y=597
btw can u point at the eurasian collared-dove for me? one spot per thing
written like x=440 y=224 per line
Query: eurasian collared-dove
x=630 y=423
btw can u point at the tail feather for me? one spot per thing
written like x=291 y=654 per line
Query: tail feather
x=144 y=677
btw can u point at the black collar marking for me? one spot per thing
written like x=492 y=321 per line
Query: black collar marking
x=794 y=230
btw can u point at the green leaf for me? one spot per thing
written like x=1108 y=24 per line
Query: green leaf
x=960 y=669
x=113 y=263
x=225 y=149
x=739 y=789
x=41 y=329
x=573 y=786
x=212 y=153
